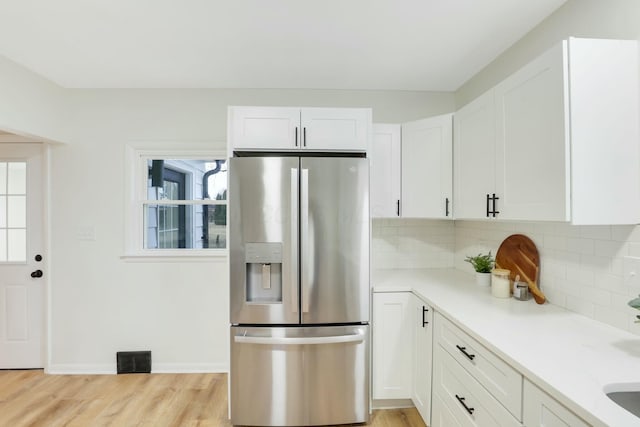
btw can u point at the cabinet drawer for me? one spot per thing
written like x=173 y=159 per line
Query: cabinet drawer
x=500 y=379
x=466 y=400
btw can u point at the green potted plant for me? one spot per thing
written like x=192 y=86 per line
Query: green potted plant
x=635 y=303
x=482 y=264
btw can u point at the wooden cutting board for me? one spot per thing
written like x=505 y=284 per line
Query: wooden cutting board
x=519 y=255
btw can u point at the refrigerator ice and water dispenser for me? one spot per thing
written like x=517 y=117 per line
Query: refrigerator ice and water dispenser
x=264 y=272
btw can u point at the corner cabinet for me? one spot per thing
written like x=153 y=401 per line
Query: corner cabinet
x=412 y=169
x=295 y=128
x=555 y=141
x=392 y=335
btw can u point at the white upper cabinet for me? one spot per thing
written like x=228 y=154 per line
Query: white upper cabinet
x=427 y=168
x=289 y=128
x=384 y=178
x=345 y=129
x=411 y=169
x=474 y=157
x=532 y=146
x=563 y=132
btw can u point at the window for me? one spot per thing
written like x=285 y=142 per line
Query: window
x=13 y=211
x=178 y=205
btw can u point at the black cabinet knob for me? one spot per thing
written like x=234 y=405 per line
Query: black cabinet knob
x=37 y=273
x=38 y=258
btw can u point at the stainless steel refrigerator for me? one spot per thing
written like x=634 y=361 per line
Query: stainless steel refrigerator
x=299 y=296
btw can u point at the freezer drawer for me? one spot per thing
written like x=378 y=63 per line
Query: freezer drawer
x=290 y=376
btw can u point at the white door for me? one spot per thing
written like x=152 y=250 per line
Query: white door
x=427 y=168
x=21 y=245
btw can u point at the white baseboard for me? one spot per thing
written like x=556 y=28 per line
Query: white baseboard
x=391 y=403
x=156 y=368
x=189 y=368
x=81 y=369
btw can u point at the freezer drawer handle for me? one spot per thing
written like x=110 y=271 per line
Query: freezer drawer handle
x=300 y=341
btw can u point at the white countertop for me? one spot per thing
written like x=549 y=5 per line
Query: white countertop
x=568 y=355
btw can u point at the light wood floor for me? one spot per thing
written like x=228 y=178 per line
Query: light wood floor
x=31 y=398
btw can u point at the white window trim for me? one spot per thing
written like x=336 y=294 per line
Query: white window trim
x=136 y=156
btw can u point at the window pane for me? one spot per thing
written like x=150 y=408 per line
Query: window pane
x=217 y=227
x=3 y=178
x=17 y=211
x=3 y=245
x=186 y=179
x=17 y=240
x=17 y=178
x=3 y=211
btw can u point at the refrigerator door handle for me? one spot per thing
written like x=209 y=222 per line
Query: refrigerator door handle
x=294 y=239
x=304 y=238
x=352 y=338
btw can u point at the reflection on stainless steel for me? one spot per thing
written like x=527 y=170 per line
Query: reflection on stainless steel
x=299 y=376
x=299 y=297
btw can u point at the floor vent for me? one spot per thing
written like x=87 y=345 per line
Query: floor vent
x=134 y=362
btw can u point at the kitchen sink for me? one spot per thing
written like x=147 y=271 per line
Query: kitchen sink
x=626 y=396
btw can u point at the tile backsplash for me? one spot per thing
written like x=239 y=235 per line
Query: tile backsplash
x=585 y=269
x=412 y=243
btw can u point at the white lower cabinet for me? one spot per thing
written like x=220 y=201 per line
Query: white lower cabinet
x=422 y=357
x=467 y=400
x=452 y=379
x=541 y=410
x=477 y=387
x=392 y=336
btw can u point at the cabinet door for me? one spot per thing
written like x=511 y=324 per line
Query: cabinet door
x=264 y=128
x=392 y=335
x=422 y=357
x=345 y=129
x=604 y=131
x=384 y=181
x=541 y=410
x=532 y=142
x=474 y=157
x=427 y=168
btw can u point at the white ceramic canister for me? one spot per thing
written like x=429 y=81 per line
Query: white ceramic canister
x=500 y=285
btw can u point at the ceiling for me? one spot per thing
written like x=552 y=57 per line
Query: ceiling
x=314 y=44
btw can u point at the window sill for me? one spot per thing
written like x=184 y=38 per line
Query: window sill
x=182 y=255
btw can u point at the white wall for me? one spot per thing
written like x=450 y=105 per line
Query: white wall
x=581 y=267
x=29 y=104
x=101 y=303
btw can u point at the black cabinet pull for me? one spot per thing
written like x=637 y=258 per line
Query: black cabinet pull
x=494 y=198
x=461 y=400
x=446 y=207
x=424 y=311
x=398 y=207
x=36 y=274
x=304 y=136
x=463 y=350
x=296 y=136
x=488 y=205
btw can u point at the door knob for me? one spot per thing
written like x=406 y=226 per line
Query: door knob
x=37 y=273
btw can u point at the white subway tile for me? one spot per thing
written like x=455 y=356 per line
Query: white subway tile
x=595 y=231
x=581 y=246
x=611 y=248
x=581 y=306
